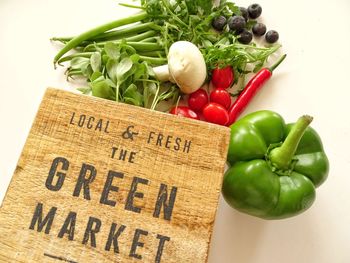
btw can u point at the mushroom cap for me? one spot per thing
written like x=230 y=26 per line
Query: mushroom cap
x=187 y=66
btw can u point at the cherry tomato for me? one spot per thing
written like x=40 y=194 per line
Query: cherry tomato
x=222 y=77
x=184 y=112
x=215 y=113
x=221 y=96
x=197 y=100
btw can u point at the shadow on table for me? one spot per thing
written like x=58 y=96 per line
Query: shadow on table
x=240 y=238
x=235 y=233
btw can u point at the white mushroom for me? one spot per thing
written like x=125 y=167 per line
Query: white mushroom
x=186 y=67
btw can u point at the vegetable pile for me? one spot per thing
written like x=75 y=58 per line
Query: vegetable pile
x=191 y=58
x=128 y=60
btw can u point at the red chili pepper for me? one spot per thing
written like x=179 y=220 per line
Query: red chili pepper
x=250 y=90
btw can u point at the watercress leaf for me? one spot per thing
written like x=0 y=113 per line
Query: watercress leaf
x=79 y=62
x=87 y=71
x=85 y=90
x=140 y=72
x=149 y=92
x=105 y=59
x=135 y=58
x=96 y=61
x=92 y=47
x=96 y=75
x=101 y=89
x=150 y=71
x=111 y=68
x=110 y=83
x=126 y=49
x=163 y=106
x=112 y=50
x=122 y=67
x=133 y=96
x=129 y=77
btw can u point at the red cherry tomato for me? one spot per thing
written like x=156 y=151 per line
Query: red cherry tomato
x=197 y=100
x=221 y=96
x=184 y=112
x=215 y=113
x=222 y=77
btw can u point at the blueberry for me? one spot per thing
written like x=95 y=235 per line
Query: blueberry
x=236 y=24
x=271 y=36
x=254 y=11
x=244 y=13
x=219 y=23
x=245 y=37
x=259 y=29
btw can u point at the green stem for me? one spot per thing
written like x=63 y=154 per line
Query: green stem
x=279 y=61
x=74 y=72
x=173 y=15
x=131 y=6
x=63 y=40
x=243 y=46
x=98 y=30
x=117 y=92
x=154 y=61
x=282 y=156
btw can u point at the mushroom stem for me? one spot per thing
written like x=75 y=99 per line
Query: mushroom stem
x=162 y=73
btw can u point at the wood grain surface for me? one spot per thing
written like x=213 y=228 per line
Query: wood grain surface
x=99 y=181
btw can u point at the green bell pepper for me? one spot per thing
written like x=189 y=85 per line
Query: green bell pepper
x=275 y=167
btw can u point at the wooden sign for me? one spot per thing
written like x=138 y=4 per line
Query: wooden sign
x=99 y=181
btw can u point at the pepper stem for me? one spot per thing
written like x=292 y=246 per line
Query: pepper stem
x=281 y=157
x=279 y=61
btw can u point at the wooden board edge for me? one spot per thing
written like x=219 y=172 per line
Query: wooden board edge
x=17 y=167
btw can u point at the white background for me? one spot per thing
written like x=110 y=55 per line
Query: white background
x=314 y=79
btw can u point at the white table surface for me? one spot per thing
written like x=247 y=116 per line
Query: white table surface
x=314 y=79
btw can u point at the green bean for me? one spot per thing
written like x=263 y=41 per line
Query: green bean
x=150 y=39
x=75 y=55
x=134 y=38
x=98 y=30
x=154 y=61
x=156 y=53
x=116 y=34
x=121 y=33
x=139 y=46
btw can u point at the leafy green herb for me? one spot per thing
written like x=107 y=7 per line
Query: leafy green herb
x=116 y=72
x=85 y=90
x=95 y=61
